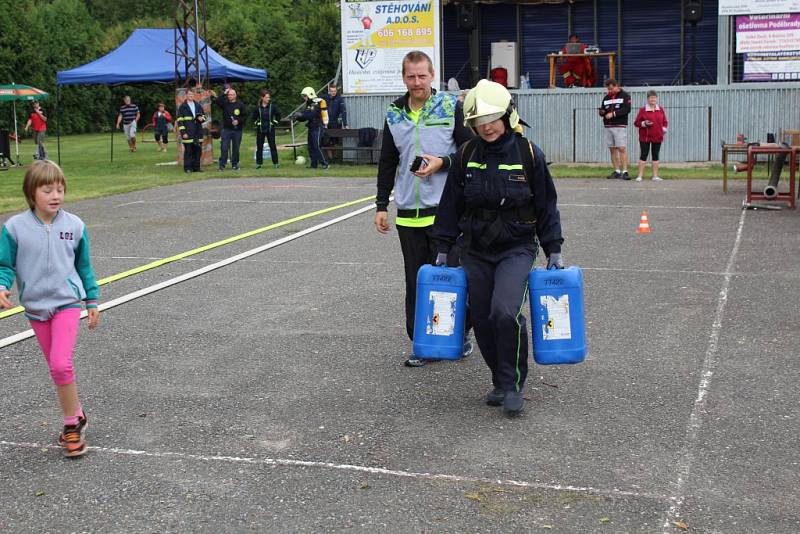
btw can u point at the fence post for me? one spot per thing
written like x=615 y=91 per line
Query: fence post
x=709 y=133
x=574 y=147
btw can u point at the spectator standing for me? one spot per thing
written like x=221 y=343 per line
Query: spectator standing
x=233 y=116
x=266 y=117
x=337 y=115
x=652 y=123
x=160 y=123
x=190 y=129
x=337 y=110
x=614 y=110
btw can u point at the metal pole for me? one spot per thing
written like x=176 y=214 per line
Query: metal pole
x=58 y=123
x=574 y=148
x=197 y=42
x=570 y=17
x=709 y=133
x=619 y=41
x=694 y=50
x=683 y=38
x=112 y=137
x=16 y=134
x=205 y=48
x=596 y=27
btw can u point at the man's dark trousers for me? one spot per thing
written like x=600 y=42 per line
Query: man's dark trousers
x=191 y=156
x=418 y=249
x=273 y=149
x=230 y=137
x=498 y=287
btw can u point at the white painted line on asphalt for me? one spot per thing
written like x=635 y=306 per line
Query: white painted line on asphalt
x=16 y=338
x=223 y=201
x=609 y=269
x=642 y=206
x=285 y=462
x=206 y=260
x=656 y=271
x=699 y=407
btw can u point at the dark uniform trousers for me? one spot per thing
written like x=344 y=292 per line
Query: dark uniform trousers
x=231 y=140
x=498 y=290
x=269 y=136
x=191 y=156
x=314 y=151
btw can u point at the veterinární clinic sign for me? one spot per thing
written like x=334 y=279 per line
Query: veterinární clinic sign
x=377 y=34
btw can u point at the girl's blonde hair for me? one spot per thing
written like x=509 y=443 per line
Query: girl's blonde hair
x=41 y=172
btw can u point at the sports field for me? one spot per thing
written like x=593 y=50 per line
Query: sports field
x=269 y=394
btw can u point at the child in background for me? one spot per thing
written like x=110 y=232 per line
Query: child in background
x=38 y=120
x=160 y=122
x=652 y=123
x=46 y=249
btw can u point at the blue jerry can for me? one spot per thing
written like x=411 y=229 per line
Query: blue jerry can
x=440 y=312
x=265 y=153
x=558 y=324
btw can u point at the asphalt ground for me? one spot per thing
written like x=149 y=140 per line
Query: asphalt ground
x=270 y=395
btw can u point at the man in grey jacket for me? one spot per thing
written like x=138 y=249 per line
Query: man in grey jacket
x=426 y=126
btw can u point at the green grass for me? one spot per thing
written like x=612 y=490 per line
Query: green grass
x=668 y=171
x=90 y=173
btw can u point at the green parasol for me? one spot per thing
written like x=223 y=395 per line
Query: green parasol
x=13 y=92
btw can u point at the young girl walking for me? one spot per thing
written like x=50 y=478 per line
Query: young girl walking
x=46 y=249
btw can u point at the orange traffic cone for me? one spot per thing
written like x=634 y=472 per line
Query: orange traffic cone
x=644 y=224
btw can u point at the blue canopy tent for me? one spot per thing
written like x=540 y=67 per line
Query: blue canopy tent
x=148 y=56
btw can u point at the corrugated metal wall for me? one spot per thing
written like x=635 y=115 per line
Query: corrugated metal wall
x=566 y=125
x=651 y=44
x=544 y=31
x=498 y=23
x=455 y=44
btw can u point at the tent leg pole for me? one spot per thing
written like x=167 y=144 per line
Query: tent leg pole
x=58 y=123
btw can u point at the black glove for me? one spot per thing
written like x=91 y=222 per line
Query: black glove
x=554 y=261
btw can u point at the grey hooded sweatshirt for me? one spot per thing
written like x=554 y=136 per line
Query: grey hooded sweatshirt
x=50 y=262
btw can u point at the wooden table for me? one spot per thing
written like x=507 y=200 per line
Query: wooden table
x=612 y=64
x=730 y=148
x=771 y=150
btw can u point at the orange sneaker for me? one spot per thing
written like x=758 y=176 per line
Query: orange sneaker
x=71 y=438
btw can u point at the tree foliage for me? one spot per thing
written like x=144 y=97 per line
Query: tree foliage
x=296 y=41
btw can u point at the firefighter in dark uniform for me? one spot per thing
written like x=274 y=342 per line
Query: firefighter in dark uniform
x=190 y=131
x=498 y=198
x=316 y=114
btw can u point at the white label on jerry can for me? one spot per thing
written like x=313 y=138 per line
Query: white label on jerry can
x=443 y=321
x=556 y=325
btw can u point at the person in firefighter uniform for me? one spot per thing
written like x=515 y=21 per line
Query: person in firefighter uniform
x=498 y=199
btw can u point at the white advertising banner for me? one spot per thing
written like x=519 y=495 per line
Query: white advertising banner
x=757 y=7
x=376 y=34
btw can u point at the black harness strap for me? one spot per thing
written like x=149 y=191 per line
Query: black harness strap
x=498 y=217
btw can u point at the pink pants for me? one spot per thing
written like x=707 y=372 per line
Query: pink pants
x=57 y=338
